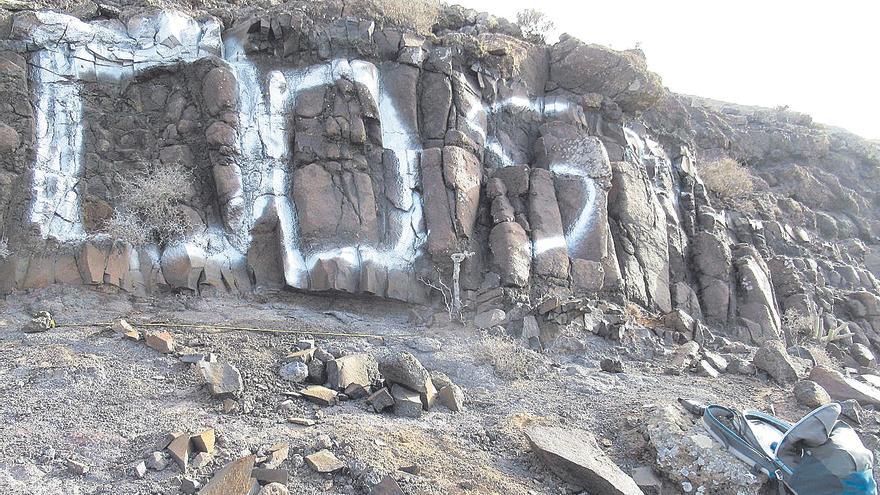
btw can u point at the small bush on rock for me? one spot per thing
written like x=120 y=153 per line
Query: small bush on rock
x=148 y=207
x=127 y=226
x=727 y=178
x=534 y=24
x=799 y=321
x=4 y=249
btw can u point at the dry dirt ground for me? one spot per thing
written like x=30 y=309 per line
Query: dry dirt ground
x=85 y=393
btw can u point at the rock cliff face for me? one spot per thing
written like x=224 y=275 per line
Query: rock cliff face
x=334 y=150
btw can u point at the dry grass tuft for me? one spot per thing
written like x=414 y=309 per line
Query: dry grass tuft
x=510 y=359
x=637 y=314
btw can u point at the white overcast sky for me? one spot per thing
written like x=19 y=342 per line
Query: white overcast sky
x=822 y=58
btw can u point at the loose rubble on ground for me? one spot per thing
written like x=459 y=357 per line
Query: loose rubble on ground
x=310 y=414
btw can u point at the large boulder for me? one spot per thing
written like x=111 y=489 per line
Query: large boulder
x=575 y=456
x=810 y=394
x=405 y=369
x=622 y=76
x=842 y=388
x=756 y=300
x=773 y=358
x=681 y=322
x=869 y=301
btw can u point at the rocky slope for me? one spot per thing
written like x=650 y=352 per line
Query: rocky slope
x=90 y=398
x=332 y=149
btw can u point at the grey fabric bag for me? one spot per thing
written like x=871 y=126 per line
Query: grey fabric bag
x=818 y=455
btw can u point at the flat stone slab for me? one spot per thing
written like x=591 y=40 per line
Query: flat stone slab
x=388 y=486
x=320 y=395
x=324 y=461
x=264 y=475
x=575 y=457
x=233 y=479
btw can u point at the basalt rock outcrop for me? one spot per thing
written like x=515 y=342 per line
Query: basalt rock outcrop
x=334 y=149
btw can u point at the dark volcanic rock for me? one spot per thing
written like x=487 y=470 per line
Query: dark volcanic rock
x=810 y=394
x=623 y=76
x=842 y=388
x=405 y=369
x=345 y=153
x=773 y=358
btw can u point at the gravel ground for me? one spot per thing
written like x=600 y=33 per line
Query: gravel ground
x=87 y=394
